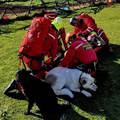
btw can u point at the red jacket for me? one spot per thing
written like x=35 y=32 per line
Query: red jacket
x=34 y=39
x=49 y=49
x=79 y=52
x=88 y=25
x=51 y=44
x=39 y=40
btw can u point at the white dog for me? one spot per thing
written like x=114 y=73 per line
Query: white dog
x=64 y=80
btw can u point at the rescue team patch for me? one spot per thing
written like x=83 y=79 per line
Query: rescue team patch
x=87 y=46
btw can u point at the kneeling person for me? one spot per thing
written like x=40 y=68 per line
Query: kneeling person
x=80 y=52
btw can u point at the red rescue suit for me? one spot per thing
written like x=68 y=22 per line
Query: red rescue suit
x=38 y=41
x=79 y=52
x=33 y=41
x=89 y=26
x=51 y=46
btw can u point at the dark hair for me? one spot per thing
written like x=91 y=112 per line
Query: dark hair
x=73 y=21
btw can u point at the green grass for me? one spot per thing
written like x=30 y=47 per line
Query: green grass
x=105 y=106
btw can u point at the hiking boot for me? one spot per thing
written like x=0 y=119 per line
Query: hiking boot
x=10 y=87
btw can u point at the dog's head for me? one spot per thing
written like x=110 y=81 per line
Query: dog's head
x=88 y=82
x=22 y=75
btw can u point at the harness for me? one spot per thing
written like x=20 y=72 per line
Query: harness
x=81 y=87
x=39 y=59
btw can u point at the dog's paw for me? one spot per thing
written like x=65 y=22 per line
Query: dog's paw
x=87 y=94
x=71 y=96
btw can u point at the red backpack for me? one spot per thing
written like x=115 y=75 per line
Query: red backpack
x=33 y=41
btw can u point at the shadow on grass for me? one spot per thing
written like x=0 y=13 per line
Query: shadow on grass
x=6 y=29
x=106 y=101
x=96 y=8
x=89 y=9
x=60 y=10
x=10 y=21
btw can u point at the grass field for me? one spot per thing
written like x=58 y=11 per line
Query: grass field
x=106 y=105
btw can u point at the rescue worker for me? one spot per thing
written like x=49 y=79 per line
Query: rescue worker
x=85 y=25
x=80 y=52
x=38 y=43
x=57 y=32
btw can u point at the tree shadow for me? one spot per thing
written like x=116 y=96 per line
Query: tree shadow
x=88 y=9
x=96 y=8
x=5 y=30
x=19 y=18
x=7 y=1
